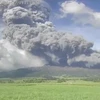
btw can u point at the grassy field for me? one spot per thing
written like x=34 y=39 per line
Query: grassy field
x=79 y=90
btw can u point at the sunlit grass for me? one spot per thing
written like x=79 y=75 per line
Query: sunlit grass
x=50 y=91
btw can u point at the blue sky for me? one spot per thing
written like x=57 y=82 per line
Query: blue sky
x=85 y=20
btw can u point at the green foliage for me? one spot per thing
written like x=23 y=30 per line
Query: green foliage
x=45 y=91
x=60 y=80
x=93 y=79
x=6 y=81
x=48 y=77
x=34 y=80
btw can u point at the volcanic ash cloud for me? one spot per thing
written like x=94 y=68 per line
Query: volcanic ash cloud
x=28 y=29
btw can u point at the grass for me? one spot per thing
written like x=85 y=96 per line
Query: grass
x=50 y=91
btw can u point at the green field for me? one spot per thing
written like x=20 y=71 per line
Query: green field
x=79 y=90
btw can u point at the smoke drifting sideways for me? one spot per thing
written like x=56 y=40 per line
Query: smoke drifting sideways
x=12 y=58
x=31 y=40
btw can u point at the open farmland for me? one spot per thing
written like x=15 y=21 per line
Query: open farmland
x=79 y=90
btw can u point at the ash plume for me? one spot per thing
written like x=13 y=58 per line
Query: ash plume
x=28 y=29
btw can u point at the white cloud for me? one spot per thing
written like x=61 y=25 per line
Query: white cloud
x=72 y=7
x=81 y=14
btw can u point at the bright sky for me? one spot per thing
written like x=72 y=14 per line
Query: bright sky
x=78 y=17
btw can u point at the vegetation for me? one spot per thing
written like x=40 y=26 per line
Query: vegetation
x=49 y=79
x=48 y=72
x=54 y=84
x=70 y=90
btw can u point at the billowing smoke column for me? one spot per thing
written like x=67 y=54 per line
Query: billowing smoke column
x=24 y=11
x=28 y=29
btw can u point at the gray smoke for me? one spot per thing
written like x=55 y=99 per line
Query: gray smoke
x=28 y=29
x=18 y=11
x=91 y=61
x=17 y=15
